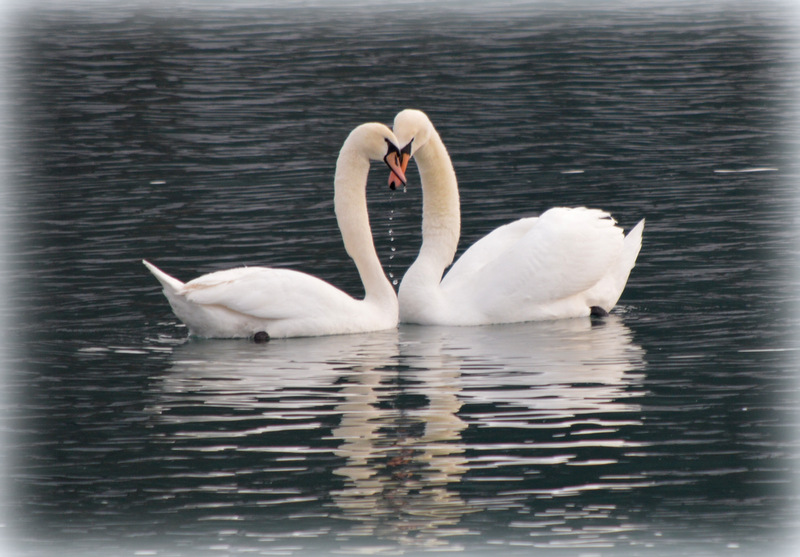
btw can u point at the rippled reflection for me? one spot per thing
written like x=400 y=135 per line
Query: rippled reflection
x=402 y=458
x=205 y=138
x=399 y=403
x=558 y=369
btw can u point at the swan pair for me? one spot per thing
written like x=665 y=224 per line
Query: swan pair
x=565 y=263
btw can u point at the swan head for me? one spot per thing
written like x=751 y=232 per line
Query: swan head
x=413 y=129
x=377 y=142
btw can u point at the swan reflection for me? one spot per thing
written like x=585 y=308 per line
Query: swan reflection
x=403 y=449
x=396 y=404
x=559 y=368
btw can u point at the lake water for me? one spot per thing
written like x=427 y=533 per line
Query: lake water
x=203 y=138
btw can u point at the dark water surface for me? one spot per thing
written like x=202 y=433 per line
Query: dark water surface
x=204 y=138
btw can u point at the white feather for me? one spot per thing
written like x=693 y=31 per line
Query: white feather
x=285 y=303
x=558 y=265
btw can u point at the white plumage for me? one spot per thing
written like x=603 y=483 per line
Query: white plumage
x=285 y=303
x=561 y=264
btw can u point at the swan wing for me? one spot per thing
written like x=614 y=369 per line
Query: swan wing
x=267 y=293
x=487 y=248
x=563 y=253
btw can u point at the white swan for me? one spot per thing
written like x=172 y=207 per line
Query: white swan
x=263 y=302
x=565 y=263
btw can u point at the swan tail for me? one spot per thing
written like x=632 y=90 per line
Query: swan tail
x=630 y=251
x=170 y=284
x=607 y=292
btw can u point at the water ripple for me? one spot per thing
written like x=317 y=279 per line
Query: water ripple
x=204 y=138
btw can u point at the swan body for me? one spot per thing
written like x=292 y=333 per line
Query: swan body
x=250 y=301
x=565 y=263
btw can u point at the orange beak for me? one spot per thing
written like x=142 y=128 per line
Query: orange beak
x=401 y=160
x=398 y=164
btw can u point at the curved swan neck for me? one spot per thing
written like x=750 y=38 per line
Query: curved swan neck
x=350 y=205
x=441 y=213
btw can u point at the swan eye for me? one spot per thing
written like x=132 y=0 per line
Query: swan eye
x=392 y=148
